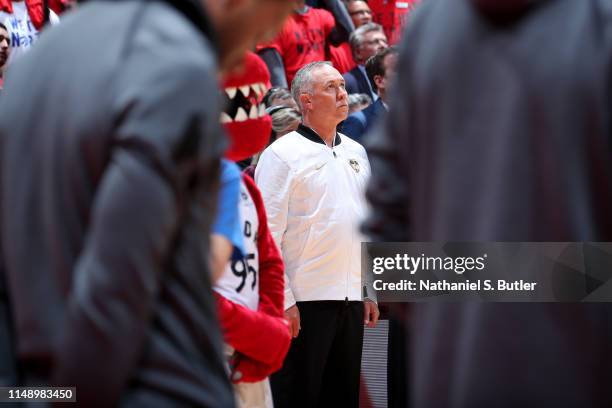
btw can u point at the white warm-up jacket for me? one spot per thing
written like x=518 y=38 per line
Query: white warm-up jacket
x=314 y=197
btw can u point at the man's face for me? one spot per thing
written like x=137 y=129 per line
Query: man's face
x=360 y=13
x=241 y=24
x=5 y=46
x=373 y=42
x=329 y=100
x=390 y=65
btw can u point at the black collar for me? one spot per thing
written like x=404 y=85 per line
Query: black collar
x=310 y=134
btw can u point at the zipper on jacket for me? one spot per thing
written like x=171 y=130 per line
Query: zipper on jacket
x=346 y=301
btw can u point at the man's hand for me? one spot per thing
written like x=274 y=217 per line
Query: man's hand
x=370 y=313
x=293 y=317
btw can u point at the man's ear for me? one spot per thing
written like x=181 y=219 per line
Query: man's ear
x=305 y=101
x=379 y=80
x=357 y=56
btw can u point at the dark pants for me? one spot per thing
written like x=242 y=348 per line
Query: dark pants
x=323 y=365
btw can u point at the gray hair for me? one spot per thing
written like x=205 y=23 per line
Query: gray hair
x=285 y=120
x=302 y=81
x=356 y=38
x=358 y=99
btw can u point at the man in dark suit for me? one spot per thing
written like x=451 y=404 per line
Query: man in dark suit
x=365 y=42
x=380 y=69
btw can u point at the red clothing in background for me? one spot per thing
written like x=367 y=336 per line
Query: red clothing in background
x=342 y=57
x=392 y=15
x=35 y=9
x=302 y=39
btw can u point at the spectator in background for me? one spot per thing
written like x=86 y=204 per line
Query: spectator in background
x=360 y=12
x=105 y=223
x=279 y=97
x=285 y=119
x=496 y=135
x=365 y=41
x=24 y=20
x=5 y=51
x=342 y=55
x=358 y=102
x=381 y=70
x=304 y=38
x=312 y=183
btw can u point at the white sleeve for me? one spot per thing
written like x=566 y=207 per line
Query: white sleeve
x=274 y=179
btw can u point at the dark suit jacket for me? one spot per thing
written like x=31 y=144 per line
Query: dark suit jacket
x=357 y=82
x=358 y=123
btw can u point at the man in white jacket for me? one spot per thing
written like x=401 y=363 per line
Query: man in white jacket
x=313 y=181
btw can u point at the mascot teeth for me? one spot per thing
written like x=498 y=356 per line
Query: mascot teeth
x=255 y=88
x=241 y=115
x=253 y=112
x=225 y=118
x=245 y=90
x=231 y=92
x=262 y=110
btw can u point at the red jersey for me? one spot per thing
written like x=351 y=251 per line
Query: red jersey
x=342 y=57
x=302 y=39
x=392 y=14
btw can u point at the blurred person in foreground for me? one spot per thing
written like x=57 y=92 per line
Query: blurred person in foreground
x=107 y=198
x=495 y=135
x=312 y=181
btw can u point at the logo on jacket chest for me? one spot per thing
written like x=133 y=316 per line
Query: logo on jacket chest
x=354 y=164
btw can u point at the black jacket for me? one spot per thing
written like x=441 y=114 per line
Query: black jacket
x=110 y=147
x=500 y=130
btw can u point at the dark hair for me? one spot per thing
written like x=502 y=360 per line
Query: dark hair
x=375 y=64
x=3 y=26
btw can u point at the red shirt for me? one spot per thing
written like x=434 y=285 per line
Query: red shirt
x=392 y=16
x=302 y=39
x=342 y=57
